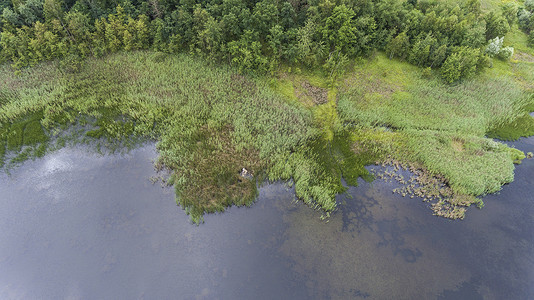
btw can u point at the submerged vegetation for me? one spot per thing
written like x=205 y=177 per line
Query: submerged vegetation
x=309 y=93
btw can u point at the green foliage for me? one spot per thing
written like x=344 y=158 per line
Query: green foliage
x=454 y=146
x=318 y=167
x=15 y=137
x=460 y=64
x=34 y=134
x=205 y=116
x=513 y=130
x=256 y=36
x=509 y=12
x=246 y=52
x=472 y=165
x=399 y=46
x=202 y=116
x=496 y=25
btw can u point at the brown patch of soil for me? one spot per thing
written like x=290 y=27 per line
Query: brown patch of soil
x=370 y=84
x=316 y=94
x=457 y=145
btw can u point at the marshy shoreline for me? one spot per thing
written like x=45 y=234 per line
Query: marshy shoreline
x=210 y=122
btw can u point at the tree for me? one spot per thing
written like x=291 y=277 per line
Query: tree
x=496 y=25
x=80 y=31
x=264 y=16
x=509 y=12
x=246 y=54
x=275 y=39
x=99 y=38
x=53 y=9
x=11 y=17
x=309 y=50
x=31 y=11
x=506 y=53
x=340 y=31
x=210 y=37
x=474 y=36
x=115 y=30
x=494 y=46
x=439 y=56
x=524 y=19
x=159 y=35
x=473 y=6
x=460 y=64
x=142 y=30
x=422 y=49
x=287 y=15
x=399 y=46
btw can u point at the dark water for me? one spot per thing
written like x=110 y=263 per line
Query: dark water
x=79 y=226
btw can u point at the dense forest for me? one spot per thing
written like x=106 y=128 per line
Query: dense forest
x=240 y=92
x=260 y=35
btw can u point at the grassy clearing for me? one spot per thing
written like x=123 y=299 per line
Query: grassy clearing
x=418 y=103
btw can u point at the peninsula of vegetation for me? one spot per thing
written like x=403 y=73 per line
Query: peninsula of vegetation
x=238 y=92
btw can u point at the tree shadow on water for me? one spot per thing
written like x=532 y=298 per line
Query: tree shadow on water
x=357 y=214
x=391 y=234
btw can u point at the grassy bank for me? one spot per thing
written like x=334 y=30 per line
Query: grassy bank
x=211 y=123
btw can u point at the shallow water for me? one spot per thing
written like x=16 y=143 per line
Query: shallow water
x=80 y=226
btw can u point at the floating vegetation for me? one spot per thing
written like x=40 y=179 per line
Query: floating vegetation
x=431 y=188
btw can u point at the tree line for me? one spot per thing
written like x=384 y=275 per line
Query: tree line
x=260 y=35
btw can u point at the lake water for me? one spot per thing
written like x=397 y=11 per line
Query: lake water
x=75 y=225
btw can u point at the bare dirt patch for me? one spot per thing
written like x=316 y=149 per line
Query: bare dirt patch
x=316 y=94
x=371 y=84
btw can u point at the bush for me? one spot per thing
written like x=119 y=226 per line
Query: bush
x=461 y=64
x=494 y=46
x=506 y=53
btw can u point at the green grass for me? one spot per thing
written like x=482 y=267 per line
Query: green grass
x=427 y=104
x=15 y=136
x=2 y=152
x=520 y=127
x=472 y=165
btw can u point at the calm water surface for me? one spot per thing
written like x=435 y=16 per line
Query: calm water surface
x=75 y=225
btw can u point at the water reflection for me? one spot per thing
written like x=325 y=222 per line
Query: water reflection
x=77 y=225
